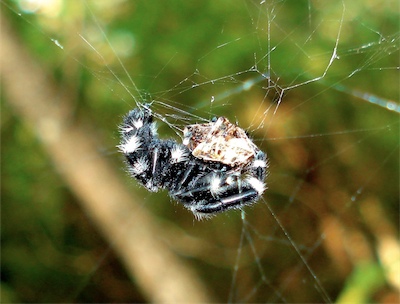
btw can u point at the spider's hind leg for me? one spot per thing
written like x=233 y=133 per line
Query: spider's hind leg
x=235 y=201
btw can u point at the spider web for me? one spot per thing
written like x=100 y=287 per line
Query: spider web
x=316 y=86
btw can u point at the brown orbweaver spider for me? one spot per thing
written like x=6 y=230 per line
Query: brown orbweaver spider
x=217 y=168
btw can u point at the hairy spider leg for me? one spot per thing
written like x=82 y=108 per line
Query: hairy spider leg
x=231 y=196
x=232 y=202
x=246 y=192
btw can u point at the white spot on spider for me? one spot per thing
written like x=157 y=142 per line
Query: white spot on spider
x=230 y=180
x=131 y=145
x=178 y=154
x=215 y=185
x=258 y=163
x=186 y=141
x=153 y=128
x=137 y=123
x=126 y=129
x=155 y=157
x=139 y=167
x=150 y=186
x=258 y=185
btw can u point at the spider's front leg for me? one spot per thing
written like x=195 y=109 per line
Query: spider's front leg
x=138 y=139
x=137 y=127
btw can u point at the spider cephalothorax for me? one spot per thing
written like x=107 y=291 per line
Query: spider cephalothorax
x=216 y=168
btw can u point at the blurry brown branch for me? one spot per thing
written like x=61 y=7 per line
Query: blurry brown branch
x=132 y=231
